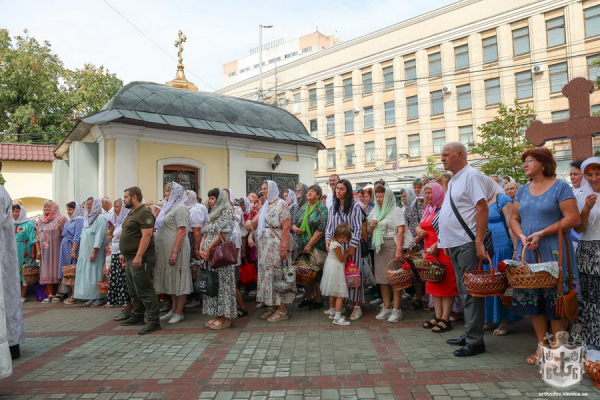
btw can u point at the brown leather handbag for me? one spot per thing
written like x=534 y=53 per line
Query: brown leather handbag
x=223 y=255
x=567 y=305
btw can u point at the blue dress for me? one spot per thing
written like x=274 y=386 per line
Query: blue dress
x=495 y=311
x=537 y=213
x=71 y=233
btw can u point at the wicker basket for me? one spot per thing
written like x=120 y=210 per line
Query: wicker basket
x=69 y=271
x=482 y=283
x=31 y=274
x=506 y=300
x=431 y=271
x=414 y=259
x=103 y=287
x=593 y=370
x=398 y=279
x=306 y=268
x=521 y=277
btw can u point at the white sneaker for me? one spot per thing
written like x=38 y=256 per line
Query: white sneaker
x=167 y=316
x=341 y=321
x=356 y=314
x=176 y=318
x=384 y=313
x=396 y=316
x=301 y=295
x=23 y=299
x=193 y=303
x=381 y=305
x=376 y=302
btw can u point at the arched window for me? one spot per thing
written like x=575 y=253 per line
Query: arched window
x=191 y=174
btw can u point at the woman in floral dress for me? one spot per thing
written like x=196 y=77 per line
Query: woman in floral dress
x=25 y=235
x=273 y=229
x=69 y=245
x=219 y=228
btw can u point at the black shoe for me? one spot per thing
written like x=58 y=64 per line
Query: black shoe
x=305 y=303
x=132 y=322
x=15 y=351
x=316 y=306
x=469 y=350
x=458 y=342
x=149 y=329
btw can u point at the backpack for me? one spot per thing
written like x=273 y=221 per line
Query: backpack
x=353 y=279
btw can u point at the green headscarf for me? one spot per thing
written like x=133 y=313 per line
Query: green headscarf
x=309 y=210
x=379 y=214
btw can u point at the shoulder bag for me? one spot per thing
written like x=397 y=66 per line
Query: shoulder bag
x=223 y=255
x=207 y=282
x=487 y=240
x=567 y=305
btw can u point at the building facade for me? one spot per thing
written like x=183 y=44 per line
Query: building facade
x=399 y=94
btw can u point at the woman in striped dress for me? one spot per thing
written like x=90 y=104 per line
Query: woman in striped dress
x=345 y=209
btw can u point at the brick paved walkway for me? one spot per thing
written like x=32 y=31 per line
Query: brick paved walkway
x=77 y=352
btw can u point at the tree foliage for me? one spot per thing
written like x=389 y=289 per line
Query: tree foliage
x=431 y=166
x=40 y=97
x=503 y=140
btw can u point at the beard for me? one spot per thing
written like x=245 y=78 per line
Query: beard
x=127 y=205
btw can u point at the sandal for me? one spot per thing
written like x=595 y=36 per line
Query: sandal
x=429 y=324
x=416 y=305
x=48 y=299
x=278 y=316
x=535 y=358
x=220 y=325
x=242 y=312
x=122 y=316
x=70 y=301
x=502 y=330
x=268 y=313
x=442 y=329
x=97 y=303
x=58 y=298
x=260 y=305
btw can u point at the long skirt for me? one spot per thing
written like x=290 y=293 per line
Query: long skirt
x=117 y=290
x=225 y=304
x=588 y=261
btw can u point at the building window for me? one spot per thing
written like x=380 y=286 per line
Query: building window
x=439 y=140
x=367 y=83
x=390 y=112
x=350 y=155
x=316 y=163
x=388 y=77
x=492 y=91
x=412 y=106
x=306 y=49
x=593 y=70
x=410 y=69
x=282 y=102
x=465 y=135
x=592 y=21
x=313 y=127
x=490 y=49
x=348 y=121
x=414 y=145
x=368 y=111
x=390 y=149
x=558 y=116
x=330 y=125
x=521 y=41
x=312 y=98
x=330 y=158
x=559 y=77
x=369 y=152
x=297 y=102
x=329 y=93
x=437 y=102
x=555 y=28
x=348 y=88
x=461 y=56
x=595 y=109
x=435 y=64
x=234 y=73
x=524 y=85
x=464 y=97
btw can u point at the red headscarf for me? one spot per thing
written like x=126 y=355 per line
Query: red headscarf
x=437 y=198
x=54 y=212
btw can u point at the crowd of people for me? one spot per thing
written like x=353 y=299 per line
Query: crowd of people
x=170 y=250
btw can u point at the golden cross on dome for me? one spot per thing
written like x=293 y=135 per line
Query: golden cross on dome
x=179 y=44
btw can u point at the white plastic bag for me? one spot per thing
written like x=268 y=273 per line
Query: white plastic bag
x=367 y=275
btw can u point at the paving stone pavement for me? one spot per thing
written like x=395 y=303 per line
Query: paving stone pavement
x=80 y=353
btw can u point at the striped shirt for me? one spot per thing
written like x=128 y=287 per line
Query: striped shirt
x=353 y=218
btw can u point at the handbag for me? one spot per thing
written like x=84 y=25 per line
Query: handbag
x=248 y=273
x=207 y=282
x=284 y=277
x=364 y=248
x=567 y=305
x=223 y=255
x=487 y=240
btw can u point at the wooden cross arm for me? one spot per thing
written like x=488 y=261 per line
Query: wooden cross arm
x=538 y=132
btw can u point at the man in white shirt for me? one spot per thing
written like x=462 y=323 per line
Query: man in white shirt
x=470 y=192
x=333 y=181
x=109 y=212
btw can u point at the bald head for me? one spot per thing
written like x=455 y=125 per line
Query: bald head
x=106 y=203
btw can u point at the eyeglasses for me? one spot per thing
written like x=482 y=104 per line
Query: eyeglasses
x=527 y=162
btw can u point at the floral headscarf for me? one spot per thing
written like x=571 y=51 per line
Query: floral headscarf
x=586 y=189
x=272 y=195
x=221 y=205
x=90 y=216
x=176 y=197
x=77 y=213
x=22 y=215
x=54 y=212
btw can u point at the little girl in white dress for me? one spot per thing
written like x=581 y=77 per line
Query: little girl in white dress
x=333 y=283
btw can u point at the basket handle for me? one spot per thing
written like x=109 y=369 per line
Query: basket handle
x=480 y=264
x=387 y=266
x=312 y=255
x=525 y=247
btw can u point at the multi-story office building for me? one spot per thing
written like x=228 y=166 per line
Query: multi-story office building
x=400 y=93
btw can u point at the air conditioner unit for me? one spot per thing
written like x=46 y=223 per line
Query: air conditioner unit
x=538 y=69
x=446 y=89
x=357 y=109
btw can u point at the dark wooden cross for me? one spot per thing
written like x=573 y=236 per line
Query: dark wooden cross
x=580 y=127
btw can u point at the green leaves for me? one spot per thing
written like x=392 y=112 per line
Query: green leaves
x=40 y=100
x=503 y=141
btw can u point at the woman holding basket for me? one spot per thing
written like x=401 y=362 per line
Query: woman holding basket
x=539 y=207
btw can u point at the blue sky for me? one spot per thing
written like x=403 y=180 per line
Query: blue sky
x=217 y=31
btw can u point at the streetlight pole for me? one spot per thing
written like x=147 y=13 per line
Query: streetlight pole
x=260 y=91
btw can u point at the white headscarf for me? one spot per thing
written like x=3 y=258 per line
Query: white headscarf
x=586 y=189
x=272 y=195
x=123 y=214
x=221 y=205
x=176 y=197
x=247 y=206
x=190 y=201
x=22 y=215
x=77 y=213
x=291 y=197
x=231 y=198
x=90 y=217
